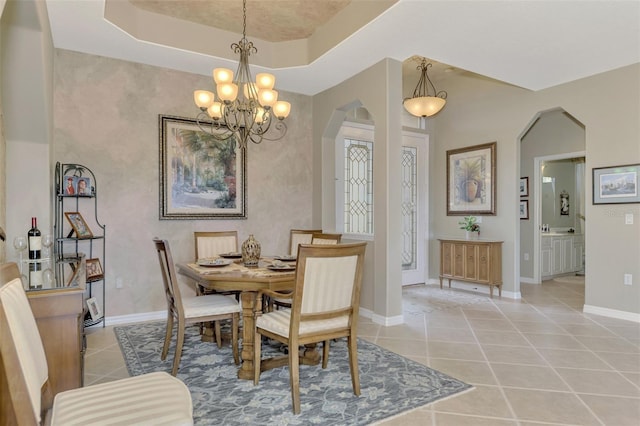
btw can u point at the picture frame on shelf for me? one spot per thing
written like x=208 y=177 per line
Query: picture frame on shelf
x=524 y=209
x=616 y=185
x=471 y=180
x=94 y=308
x=94 y=269
x=70 y=185
x=201 y=177
x=524 y=186
x=83 y=187
x=78 y=225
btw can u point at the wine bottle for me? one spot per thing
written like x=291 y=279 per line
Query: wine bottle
x=35 y=240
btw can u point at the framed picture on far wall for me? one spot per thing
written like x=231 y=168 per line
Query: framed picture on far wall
x=616 y=185
x=524 y=186
x=201 y=176
x=471 y=180
x=524 y=209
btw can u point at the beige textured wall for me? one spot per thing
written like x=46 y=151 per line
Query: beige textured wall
x=27 y=98
x=106 y=118
x=382 y=281
x=481 y=110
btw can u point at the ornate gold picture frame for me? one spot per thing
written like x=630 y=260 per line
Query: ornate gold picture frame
x=471 y=180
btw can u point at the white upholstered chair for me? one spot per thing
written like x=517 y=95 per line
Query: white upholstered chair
x=324 y=306
x=314 y=237
x=323 y=238
x=192 y=310
x=213 y=244
x=154 y=398
x=300 y=236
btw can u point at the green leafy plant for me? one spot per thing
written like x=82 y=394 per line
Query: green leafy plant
x=468 y=223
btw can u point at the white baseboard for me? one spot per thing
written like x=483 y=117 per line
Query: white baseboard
x=528 y=280
x=379 y=319
x=611 y=313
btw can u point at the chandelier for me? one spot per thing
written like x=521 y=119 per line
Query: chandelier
x=422 y=103
x=242 y=108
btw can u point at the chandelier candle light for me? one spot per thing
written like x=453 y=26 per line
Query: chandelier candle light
x=422 y=103
x=242 y=108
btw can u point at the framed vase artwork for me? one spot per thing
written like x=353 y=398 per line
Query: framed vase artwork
x=471 y=180
x=201 y=177
x=616 y=185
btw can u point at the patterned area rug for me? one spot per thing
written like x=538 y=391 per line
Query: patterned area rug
x=390 y=384
x=428 y=298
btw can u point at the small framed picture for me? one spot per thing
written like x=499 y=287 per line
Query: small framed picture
x=78 y=224
x=70 y=185
x=94 y=308
x=616 y=185
x=94 y=269
x=524 y=186
x=83 y=186
x=524 y=209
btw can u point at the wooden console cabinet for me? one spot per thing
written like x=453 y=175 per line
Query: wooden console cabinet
x=476 y=261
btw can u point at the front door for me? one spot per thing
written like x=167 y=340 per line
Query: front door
x=415 y=213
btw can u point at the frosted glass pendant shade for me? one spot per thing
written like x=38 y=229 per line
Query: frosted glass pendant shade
x=203 y=98
x=424 y=106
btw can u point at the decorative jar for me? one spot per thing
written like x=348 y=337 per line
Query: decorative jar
x=251 y=251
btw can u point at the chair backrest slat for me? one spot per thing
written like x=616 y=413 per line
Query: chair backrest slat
x=212 y=244
x=300 y=236
x=23 y=356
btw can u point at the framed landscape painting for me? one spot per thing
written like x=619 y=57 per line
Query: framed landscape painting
x=471 y=180
x=616 y=185
x=201 y=177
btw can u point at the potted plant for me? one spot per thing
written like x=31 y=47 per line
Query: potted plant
x=468 y=223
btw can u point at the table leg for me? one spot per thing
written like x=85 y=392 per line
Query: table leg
x=248 y=301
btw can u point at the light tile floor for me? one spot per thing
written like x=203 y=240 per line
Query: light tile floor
x=536 y=361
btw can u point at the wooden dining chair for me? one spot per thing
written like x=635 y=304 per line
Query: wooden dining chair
x=215 y=243
x=324 y=306
x=153 y=398
x=323 y=238
x=192 y=310
x=315 y=238
x=300 y=236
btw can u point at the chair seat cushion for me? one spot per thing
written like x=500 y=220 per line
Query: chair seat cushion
x=150 y=399
x=277 y=322
x=210 y=304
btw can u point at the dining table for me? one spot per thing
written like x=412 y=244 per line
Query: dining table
x=248 y=281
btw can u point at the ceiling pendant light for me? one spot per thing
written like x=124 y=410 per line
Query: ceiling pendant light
x=422 y=103
x=242 y=108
